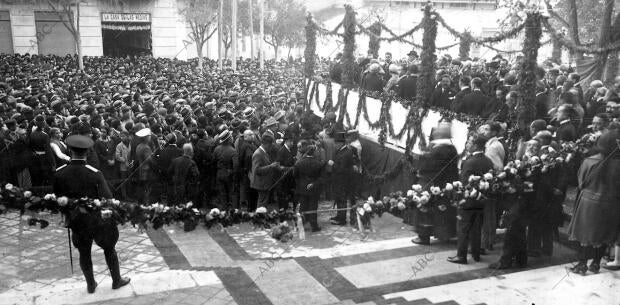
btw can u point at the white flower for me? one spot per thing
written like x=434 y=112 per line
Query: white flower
x=559 y=159
x=435 y=190
x=8 y=186
x=63 y=201
x=550 y=149
x=483 y=185
x=415 y=198
x=473 y=194
x=442 y=207
x=195 y=210
x=457 y=184
x=27 y=194
x=535 y=159
x=528 y=173
x=106 y=213
x=371 y=200
x=424 y=199
x=214 y=212
x=545 y=169
x=361 y=211
x=473 y=178
x=166 y=209
x=115 y=202
x=449 y=187
x=97 y=202
x=261 y=210
x=507 y=167
x=189 y=204
x=513 y=171
x=49 y=197
x=416 y=187
x=518 y=163
x=410 y=193
x=488 y=176
x=401 y=205
x=544 y=157
x=367 y=207
x=501 y=175
x=569 y=157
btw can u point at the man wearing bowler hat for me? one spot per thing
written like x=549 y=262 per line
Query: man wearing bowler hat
x=77 y=179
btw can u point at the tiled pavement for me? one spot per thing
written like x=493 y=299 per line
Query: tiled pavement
x=240 y=265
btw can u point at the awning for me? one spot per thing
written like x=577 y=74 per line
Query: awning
x=125 y=27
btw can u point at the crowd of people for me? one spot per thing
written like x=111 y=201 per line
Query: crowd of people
x=165 y=132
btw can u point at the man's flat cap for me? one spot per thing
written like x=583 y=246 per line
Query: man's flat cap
x=79 y=141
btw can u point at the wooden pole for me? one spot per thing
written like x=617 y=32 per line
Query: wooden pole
x=233 y=35
x=261 y=37
x=251 y=29
x=220 y=35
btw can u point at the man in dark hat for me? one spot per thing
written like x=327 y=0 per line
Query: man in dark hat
x=286 y=158
x=264 y=170
x=77 y=180
x=227 y=164
x=343 y=171
x=43 y=162
x=170 y=152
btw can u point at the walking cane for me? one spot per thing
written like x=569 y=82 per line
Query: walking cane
x=70 y=251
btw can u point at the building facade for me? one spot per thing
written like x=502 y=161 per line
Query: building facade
x=107 y=27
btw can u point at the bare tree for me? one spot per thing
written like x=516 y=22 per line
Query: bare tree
x=282 y=28
x=71 y=20
x=201 y=16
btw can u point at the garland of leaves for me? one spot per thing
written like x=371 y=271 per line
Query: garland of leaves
x=310 y=51
x=465 y=45
x=572 y=46
x=326 y=32
x=527 y=77
x=348 y=53
x=373 y=43
x=402 y=36
x=492 y=39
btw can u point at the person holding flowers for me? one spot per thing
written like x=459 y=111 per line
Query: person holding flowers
x=596 y=219
x=78 y=180
x=470 y=210
x=438 y=167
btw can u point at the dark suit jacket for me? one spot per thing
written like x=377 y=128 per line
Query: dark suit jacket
x=439 y=163
x=169 y=153
x=342 y=172
x=441 y=98
x=183 y=170
x=473 y=103
x=477 y=165
x=566 y=132
x=77 y=179
x=373 y=82
x=407 y=87
x=308 y=170
x=458 y=99
x=263 y=174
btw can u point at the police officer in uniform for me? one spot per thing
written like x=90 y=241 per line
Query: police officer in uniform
x=77 y=179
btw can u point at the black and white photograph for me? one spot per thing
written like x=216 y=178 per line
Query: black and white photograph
x=310 y=152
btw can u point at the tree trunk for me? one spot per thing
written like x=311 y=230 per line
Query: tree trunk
x=289 y=53
x=614 y=61
x=557 y=51
x=604 y=38
x=574 y=26
x=79 y=53
x=612 y=67
x=275 y=51
x=78 y=39
x=226 y=48
x=200 y=57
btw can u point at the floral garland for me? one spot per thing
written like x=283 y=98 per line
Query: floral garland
x=157 y=215
x=310 y=51
x=373 y=43
x=492 y=39
x=348 y=53
x=527 y=77
x=465 y=45
x=326 y=32
x=572 y=46
x=517 y=178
